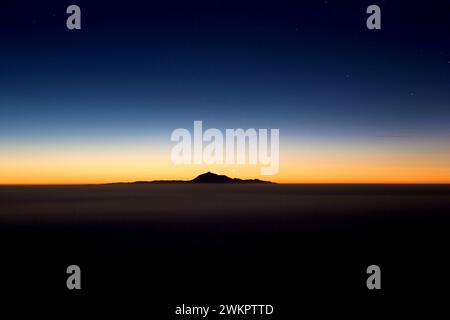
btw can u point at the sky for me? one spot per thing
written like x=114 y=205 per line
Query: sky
x=99 y=104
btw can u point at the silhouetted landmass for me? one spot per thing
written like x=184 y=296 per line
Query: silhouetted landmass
x=210 y=177
x=207 y=177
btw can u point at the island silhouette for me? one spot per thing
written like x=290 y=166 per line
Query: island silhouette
x=208 y=177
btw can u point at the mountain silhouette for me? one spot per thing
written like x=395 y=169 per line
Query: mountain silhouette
x=210 y=177
x=207 y=177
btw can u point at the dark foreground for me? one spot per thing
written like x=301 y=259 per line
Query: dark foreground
x=146 y=249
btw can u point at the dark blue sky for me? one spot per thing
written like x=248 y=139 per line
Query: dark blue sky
x=139 y=69
x=288 y=64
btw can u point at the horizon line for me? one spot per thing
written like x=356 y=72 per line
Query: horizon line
x=189 y=181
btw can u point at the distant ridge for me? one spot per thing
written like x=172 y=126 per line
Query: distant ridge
x=210 y=177
x=207 y=177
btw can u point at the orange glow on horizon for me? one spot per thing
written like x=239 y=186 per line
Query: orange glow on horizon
x=314 y=162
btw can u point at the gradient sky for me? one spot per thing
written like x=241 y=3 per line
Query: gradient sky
x=99 y=104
